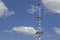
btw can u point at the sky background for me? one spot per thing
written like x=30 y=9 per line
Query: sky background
x=21 y=17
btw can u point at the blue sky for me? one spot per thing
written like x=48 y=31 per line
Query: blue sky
x=19 y=16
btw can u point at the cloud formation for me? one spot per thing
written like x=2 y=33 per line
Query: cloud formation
x=33 y=9
x=57 y=30
x=53 y=5
x=4 y=11
x=23 y=29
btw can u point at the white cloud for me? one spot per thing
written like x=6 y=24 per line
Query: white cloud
x=33 y=9
x=22 y=29
x=4 y=11
x=26 y=30
x=53 y=5
x=57 y=30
